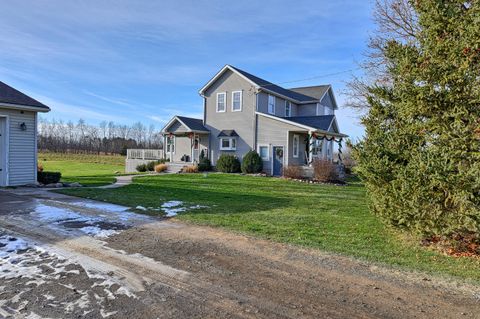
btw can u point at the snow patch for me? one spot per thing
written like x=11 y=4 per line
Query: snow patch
x=98 y=232
x=140 y=208
x=173 y=207
x=111 y=208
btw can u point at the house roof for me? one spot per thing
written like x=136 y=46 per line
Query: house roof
x=317 y=91
x=10 y=95
x=313 y=123
x=228 y=133
x=275 y=88
x=320 y=122
x=193 y=124
x=262 y=85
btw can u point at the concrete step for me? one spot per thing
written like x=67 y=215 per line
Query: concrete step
x=175 y=167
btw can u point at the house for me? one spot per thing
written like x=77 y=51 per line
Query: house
x=18 y=136
x=243 y=112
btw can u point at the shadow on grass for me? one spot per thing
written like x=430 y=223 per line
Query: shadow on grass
x=218 y=202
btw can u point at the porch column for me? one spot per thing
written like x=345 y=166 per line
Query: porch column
x=193 y=147
x=311 y=141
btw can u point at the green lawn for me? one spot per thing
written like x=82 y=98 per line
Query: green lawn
x=88 y=170
x=330 y=218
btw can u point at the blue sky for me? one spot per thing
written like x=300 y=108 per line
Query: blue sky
x=129 y=61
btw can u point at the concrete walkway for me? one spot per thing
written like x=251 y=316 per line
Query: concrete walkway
x=121 y=181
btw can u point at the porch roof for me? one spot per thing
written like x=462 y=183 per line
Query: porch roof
x=191 y=124
x=320 y=124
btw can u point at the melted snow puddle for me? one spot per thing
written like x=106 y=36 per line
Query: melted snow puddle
x=98 y=227
x=32 y=266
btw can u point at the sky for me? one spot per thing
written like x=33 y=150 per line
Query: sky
x=130 y=60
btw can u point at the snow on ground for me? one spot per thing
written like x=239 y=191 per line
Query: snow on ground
x=28 y=269
x=173 y=207
x=98 y=232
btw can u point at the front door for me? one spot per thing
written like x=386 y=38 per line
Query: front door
x=3 y=151
x=277 y=160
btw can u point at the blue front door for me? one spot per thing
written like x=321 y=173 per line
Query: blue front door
x=277 y=160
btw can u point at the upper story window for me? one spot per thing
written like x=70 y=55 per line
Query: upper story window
x=271 y=104
x=236 y=101
x=221 y=102
x=228 y=144
x=288 y=109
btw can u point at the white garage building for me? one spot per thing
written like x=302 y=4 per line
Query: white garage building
x=18 y=136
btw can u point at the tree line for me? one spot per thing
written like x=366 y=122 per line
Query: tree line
x=104 y=138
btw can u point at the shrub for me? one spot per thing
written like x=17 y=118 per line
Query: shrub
x=161 y=168
x=151 y=166
x=39 y=167
x=48 y=177
x=204 y=165
x=293 y=171
x=324 y=171
x=228 y=164
x=252 y=163
x=141 y=168
x=190 y=169
x=202 y=154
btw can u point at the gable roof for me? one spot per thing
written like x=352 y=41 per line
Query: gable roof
x=262 y=84
x=10 y=95
x=317 y=91
x=192 y=124
x=227 y=133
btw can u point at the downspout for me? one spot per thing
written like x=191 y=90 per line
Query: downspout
x=255 y=123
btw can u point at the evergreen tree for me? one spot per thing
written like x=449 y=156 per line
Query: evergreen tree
x=420 y=158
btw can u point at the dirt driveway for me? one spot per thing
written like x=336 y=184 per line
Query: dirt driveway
x=62 y=257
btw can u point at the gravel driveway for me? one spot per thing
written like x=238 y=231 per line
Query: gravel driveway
x=63 y=257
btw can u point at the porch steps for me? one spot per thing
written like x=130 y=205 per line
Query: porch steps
x=175 y=167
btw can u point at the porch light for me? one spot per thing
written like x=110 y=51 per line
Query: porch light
x=23 y=126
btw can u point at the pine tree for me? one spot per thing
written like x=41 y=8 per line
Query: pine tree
x=420 y=159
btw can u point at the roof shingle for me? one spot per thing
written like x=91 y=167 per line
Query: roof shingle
x=193 y=124
x=12 y=96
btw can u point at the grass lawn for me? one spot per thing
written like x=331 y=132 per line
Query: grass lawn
x=88 y=170
x=330 y=218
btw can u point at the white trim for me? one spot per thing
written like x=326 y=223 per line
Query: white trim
x=268 y=151
x=24 y=107
x=230 y=139
x=6 y=138
x=274 y=104
x=224 y=102
x=300 y=125
x=241 y=101
x=35 y=164
x=289 y=108
x=298 y=145
x=317 y=113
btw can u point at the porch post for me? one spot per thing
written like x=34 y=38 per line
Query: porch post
x=310 y=147
x=192 y=149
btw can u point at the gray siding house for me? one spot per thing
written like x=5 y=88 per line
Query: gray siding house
x=243 y=112
x=18 y=136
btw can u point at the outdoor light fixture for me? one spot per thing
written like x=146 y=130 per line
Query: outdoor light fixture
x=23 y=126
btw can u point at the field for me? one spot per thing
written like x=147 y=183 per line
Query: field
x=88 y=170
x=331 y=218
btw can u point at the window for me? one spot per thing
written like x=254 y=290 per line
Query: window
x=170 y=144
x=288 y=109
x=221 y=101
x=296 y=145
x=228 y=144
x=236 y=101
x=271 y=104
x=263 y=151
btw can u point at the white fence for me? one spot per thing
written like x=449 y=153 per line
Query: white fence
x=144 y=154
